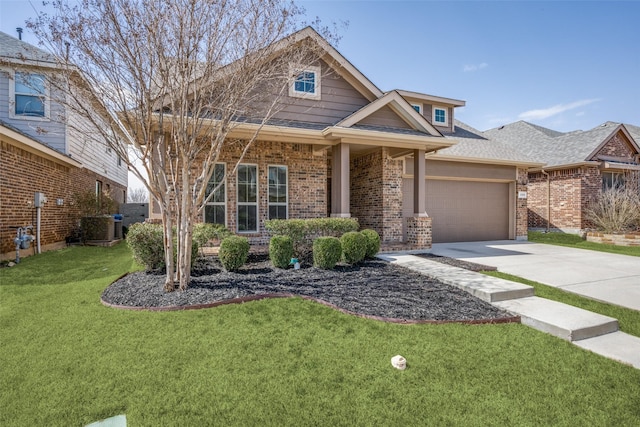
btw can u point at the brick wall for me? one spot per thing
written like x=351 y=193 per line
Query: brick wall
x=392 y=195
x=617 y=146
x=521 y=205
x=24 y=173
x=419 y=232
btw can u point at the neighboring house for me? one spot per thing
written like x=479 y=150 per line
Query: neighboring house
x=39 y=153
x=578 y=165
x=397 y=161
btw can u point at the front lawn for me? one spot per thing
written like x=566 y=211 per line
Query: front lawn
x=68 y=360
x=575 y=241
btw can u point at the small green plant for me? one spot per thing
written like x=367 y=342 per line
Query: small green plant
x=280 y=251
x=354 y=247
x=373 y=242
x=327 y=251
x=147 y=244
x=234 y=251
x=204 y=232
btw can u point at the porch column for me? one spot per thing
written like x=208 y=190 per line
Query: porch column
x=340 y=197
x=419 y=184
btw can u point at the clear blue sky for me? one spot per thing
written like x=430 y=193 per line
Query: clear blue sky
x=564 y=65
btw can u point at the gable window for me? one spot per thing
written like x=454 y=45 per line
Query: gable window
x=247 y=216
x=306 y=83
x=29 y=95
x=278 y=192
x=439 y=116
x=215 y=210
x=612 y=180
x=417 y=107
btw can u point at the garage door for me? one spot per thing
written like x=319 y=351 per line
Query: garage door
x=464 y=210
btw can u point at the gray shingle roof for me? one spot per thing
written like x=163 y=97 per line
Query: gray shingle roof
x=475 y=144
x=556 y=148
x=16 y=50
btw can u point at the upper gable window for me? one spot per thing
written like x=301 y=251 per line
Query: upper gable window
x=306 y=83
x=417 y=107
x=29 y=95
x=440 y=116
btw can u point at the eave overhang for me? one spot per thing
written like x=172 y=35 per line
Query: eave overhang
x=483 y=160
x=386 y=139
x=565 y=166
x=25 y=143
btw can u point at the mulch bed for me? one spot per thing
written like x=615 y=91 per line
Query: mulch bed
x=374 y=289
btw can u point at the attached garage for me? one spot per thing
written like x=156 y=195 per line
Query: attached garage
x=477 y=208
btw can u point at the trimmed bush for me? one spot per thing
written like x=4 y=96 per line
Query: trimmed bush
x=327 y=251
x=354 y=247
x=304 y=231
x=373 y=242
x=234 y=251
x=204 y=232
x=146 y=241
x=147 y=244
x=280 y=251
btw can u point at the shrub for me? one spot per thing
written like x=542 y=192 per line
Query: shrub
x=147 y=244
x=146 y=241
x=234 y=251
x=326 y=252
x=204 y=232
x=373 y=242
x=616 y=210
x=354 y=247
x=280 y=251
x=304 y=231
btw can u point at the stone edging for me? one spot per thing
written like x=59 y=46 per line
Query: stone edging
x=628 y=239
x=241 y=300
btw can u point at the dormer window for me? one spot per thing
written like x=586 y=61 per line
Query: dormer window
x=417 y=107
x=29 y=95
x=306 y=83
x=440 y=116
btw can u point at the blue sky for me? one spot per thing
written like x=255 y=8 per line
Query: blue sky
x=563 y=65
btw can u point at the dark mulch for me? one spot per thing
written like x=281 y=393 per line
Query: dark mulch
x=374 y=288
x=458 y=263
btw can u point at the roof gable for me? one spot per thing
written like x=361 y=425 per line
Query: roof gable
x=16 y=51
x=400 y=107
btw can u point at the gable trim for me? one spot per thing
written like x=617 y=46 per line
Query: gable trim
x=625 y=132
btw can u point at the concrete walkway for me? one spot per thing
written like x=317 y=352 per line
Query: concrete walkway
x=606 y=277
x=585 y=329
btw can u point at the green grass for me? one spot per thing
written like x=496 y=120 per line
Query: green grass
x=67 y=360
x=575 y=241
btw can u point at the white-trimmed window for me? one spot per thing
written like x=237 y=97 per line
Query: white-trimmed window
x=306 y=83
x=278 y=192
x=440 y=116
x=417 y=107
x=215 y=211
x=247 y=198
x=29 y=96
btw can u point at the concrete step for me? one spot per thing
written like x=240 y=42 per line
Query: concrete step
x=487 y=288
x=562 y=320
x=618 y=346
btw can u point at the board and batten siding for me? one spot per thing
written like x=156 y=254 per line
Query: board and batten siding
x=338 y=100
x=48 y=131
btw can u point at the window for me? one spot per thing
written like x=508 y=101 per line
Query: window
x=417 y=107
x=278 y=192
x=29 y=95
x=215 y=211
x=612 y=180
x=439 y=116
x=247 y=198
x=306 y=83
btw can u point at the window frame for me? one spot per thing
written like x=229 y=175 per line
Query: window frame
x=256 y=203
x=225 y=199
x=417 y=107
x=45 y=97
x=446 y=116
x=296 y=72
x=286 y=202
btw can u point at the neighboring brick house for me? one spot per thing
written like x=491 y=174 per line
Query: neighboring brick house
x=39 y=153
x=578 y=165
x=397 y=161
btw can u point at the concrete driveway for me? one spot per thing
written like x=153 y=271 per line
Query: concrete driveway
x=601 y=276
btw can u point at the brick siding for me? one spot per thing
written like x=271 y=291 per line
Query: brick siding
x=23 y=174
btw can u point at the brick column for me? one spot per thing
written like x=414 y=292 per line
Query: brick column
x=419 y=232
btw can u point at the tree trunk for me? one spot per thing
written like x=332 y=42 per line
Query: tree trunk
x=185 y=231
x=167 y=223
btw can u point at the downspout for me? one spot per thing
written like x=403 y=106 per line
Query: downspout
x=548 y=199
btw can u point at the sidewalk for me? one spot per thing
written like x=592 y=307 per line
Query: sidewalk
x=583 y=328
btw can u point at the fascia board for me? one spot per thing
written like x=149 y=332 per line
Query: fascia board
x=432 y=98
x=503 y=162
x=386 y=139
x=565 y=166
x=14 y=138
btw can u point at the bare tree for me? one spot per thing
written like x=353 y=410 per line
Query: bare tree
x=137 y=195
x=179 y=75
